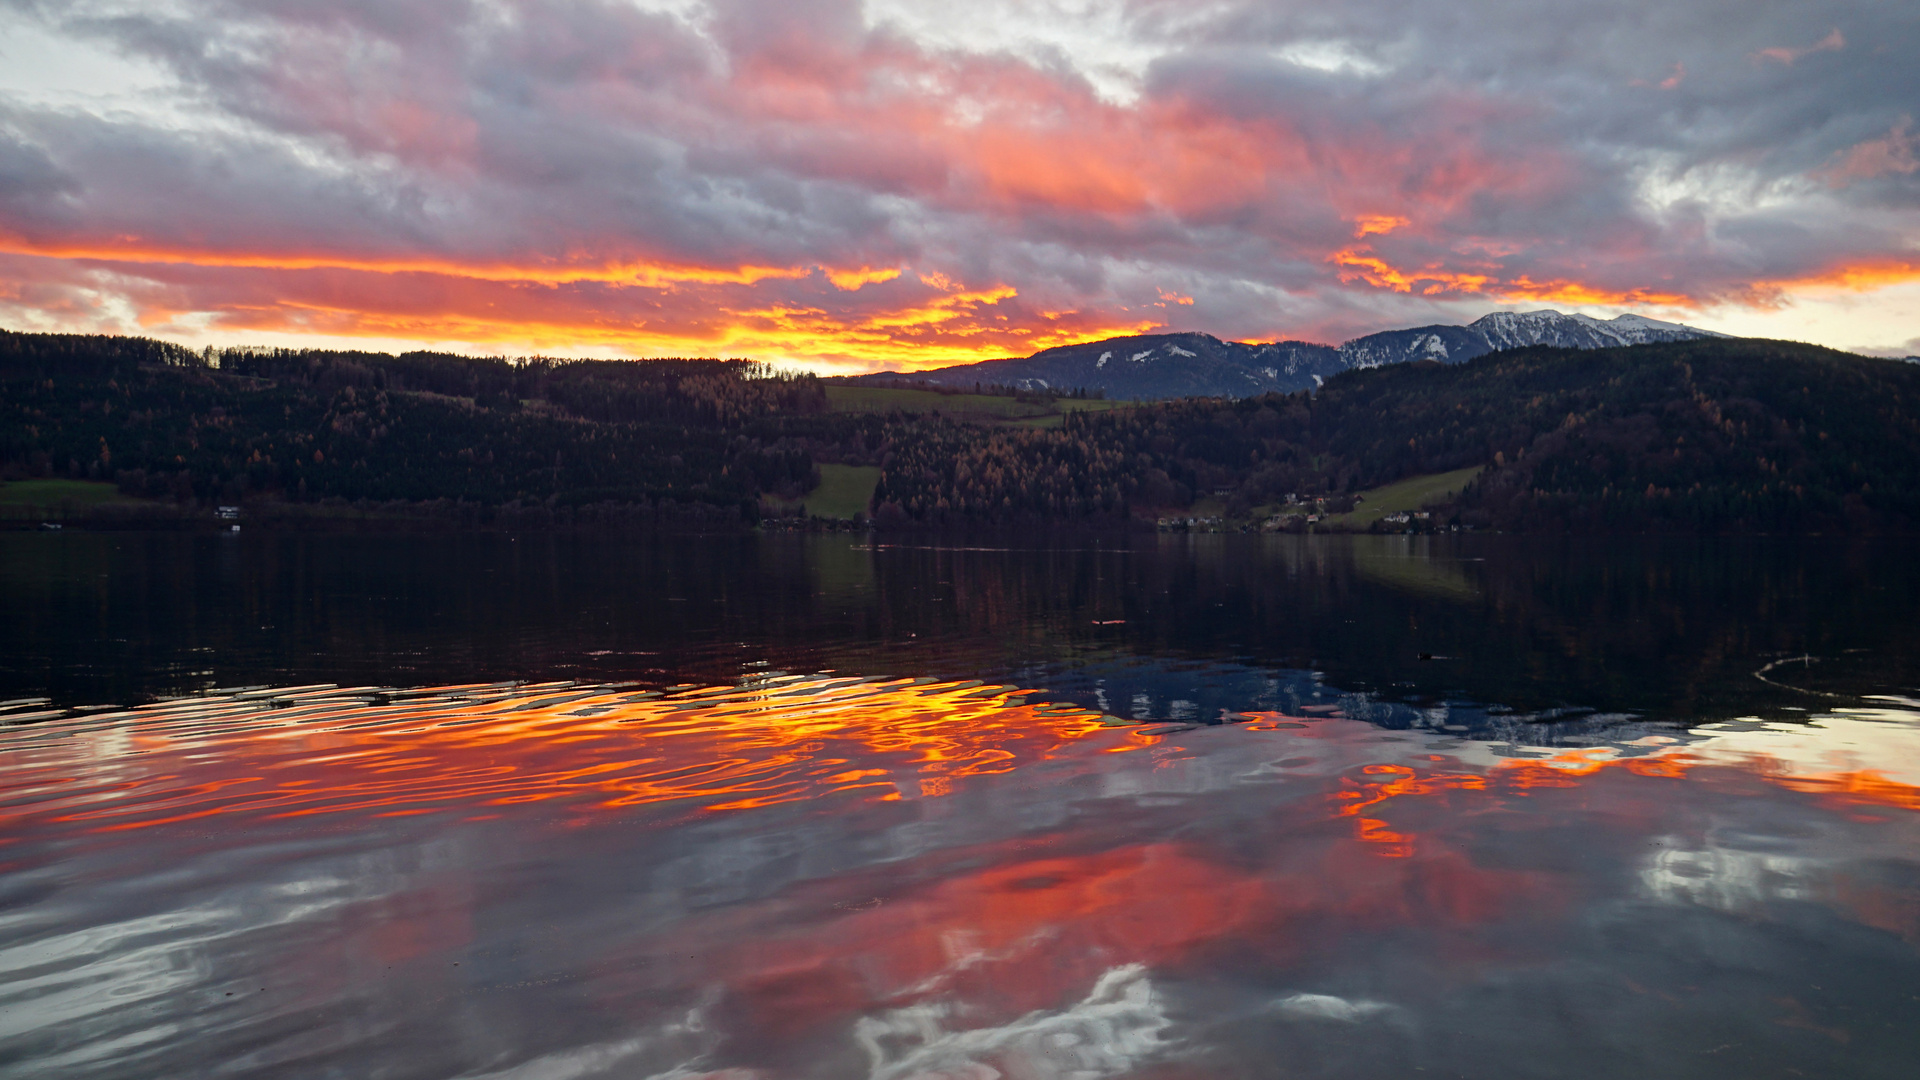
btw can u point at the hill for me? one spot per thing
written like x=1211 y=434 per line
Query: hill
x=1698 y=436
x=697 y=441
x=1710 y=435
x=1161 y=366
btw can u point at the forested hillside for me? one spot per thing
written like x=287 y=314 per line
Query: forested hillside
x=682 y=438
x=1698 y=436
x=1718 y=435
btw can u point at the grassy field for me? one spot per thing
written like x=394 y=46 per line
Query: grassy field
x=56 y=492
x=845 y=490
x=978 y=408
x=1407 y=495
x=58 y=500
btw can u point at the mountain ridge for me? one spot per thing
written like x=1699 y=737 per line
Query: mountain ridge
x=1195 y=364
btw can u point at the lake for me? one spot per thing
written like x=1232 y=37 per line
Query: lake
x=546 y=807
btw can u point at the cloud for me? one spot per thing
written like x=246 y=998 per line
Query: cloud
x=1329 y=1008
x=787 y=180
x=1897 y=153
x=1907 y=351
x=1108 y=1033
x=1833 y=42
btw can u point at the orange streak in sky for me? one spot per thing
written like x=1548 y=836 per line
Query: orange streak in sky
x=1361 y=264
x=1853 y=277
x=772 y=332
x=647 y=274
x=1573 y=292
x=531 y=307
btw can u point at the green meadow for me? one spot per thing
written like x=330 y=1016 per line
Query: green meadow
x=845 y=490
x=976 y=408
x=1403 y=497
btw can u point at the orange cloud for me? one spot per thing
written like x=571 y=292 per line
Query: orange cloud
x=852 y=280
x=1362 y=265
x=1573 y=292
x=1864 y=276
x=1370 y=224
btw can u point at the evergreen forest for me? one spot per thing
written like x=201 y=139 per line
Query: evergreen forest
x=1714 y=436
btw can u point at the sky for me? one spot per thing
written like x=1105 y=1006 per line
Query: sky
x=900 y=184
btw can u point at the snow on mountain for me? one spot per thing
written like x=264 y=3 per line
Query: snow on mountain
x=1513 y=329
x=1201 y=365
x=1447 y=344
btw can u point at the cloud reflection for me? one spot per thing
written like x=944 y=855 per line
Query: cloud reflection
x=898 y=878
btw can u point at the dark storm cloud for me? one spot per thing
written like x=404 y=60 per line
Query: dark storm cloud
x=29 y=179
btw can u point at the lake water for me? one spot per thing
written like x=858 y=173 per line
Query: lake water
x=561 y=807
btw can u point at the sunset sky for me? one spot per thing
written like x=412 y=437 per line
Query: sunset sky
x=911 y=183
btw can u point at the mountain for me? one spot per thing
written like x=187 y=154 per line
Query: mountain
x=1150 y=366
x=1154 y=366
x=1724 y=435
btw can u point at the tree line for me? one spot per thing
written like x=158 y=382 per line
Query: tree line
x=1704 y=436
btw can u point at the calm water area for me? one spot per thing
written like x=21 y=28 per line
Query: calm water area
x=547 y=807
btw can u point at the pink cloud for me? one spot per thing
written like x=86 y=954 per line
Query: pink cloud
x=1897 y=153
x=1833 y=42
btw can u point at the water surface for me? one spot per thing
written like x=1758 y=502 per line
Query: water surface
x=555 y=807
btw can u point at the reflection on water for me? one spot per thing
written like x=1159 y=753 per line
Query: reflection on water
x=904 y=878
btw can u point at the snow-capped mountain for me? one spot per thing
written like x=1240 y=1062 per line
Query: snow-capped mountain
x=1511 y=329
x=1151 y=366
x=1201 y=365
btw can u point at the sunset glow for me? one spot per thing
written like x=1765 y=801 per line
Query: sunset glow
x=855 y=186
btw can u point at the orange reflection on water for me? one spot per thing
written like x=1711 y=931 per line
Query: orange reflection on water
x=1258 y=845
x=1366 y=793
x=480 y=751
x=1375 y=784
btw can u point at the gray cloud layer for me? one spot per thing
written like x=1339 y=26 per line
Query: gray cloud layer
x=1672 y=153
